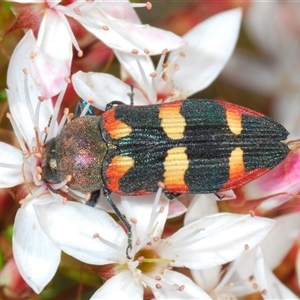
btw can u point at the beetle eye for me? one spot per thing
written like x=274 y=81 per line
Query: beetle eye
x=48 y=173
x=49 y=167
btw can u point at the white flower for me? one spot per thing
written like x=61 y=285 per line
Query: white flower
x=96 y=239
x=273 y=27
x=34 y=252
x=51 y=56
x=115 y=23
x=252 y=271
x=189 y=69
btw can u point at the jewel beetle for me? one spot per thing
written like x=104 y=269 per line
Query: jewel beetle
x=190 y=146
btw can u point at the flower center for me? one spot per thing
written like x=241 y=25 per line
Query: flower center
x=150 y=261
x=147 y=260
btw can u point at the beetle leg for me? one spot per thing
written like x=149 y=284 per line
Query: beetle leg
x=219 y=196
x=106 y=193
x=130 y=95
x=113 y=103
x=80 y=107
x=116 y=102
x=172 y=196
x=94 y=198
x=46 y=135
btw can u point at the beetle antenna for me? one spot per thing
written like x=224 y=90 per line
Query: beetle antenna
x=106 y=193
x=47 y=130
x=51 y=189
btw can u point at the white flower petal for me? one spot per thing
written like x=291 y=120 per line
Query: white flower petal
x=215 y=240
x=12 y=158
x=122 y=12
x=275 y=249
x=239 y=273
x=18 y=104
x=260 y=271
x=277 y=289
x=103 y=89
x=190 y=289
x=240 y=289
x=272 y=286
x=103 y=204
x=35 y=254
x=269 y=283
x=52 y=3
x=51 y=59
x=176 y=209
x=207 y=279
x=252 y=263
x=276 y=38
x=201 y=206
x=121 y=286
x=126 y=37
x=72 y=227
x=210 y=44
x=135 y=67
x=141 y=209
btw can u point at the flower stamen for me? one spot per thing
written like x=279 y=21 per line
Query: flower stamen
x=108 y=243
x=163 y=283
x=154 y=213
x=149 y=5
x=10 y=166
x=149 y=90
x=52 y=126
x=264 y=292
x=133 y=220
x=60 y=185
x=39 y=192
x=161 y=65
x=86 y=108
x=38 y=142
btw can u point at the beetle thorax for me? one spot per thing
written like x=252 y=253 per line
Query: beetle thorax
x=80 y=150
